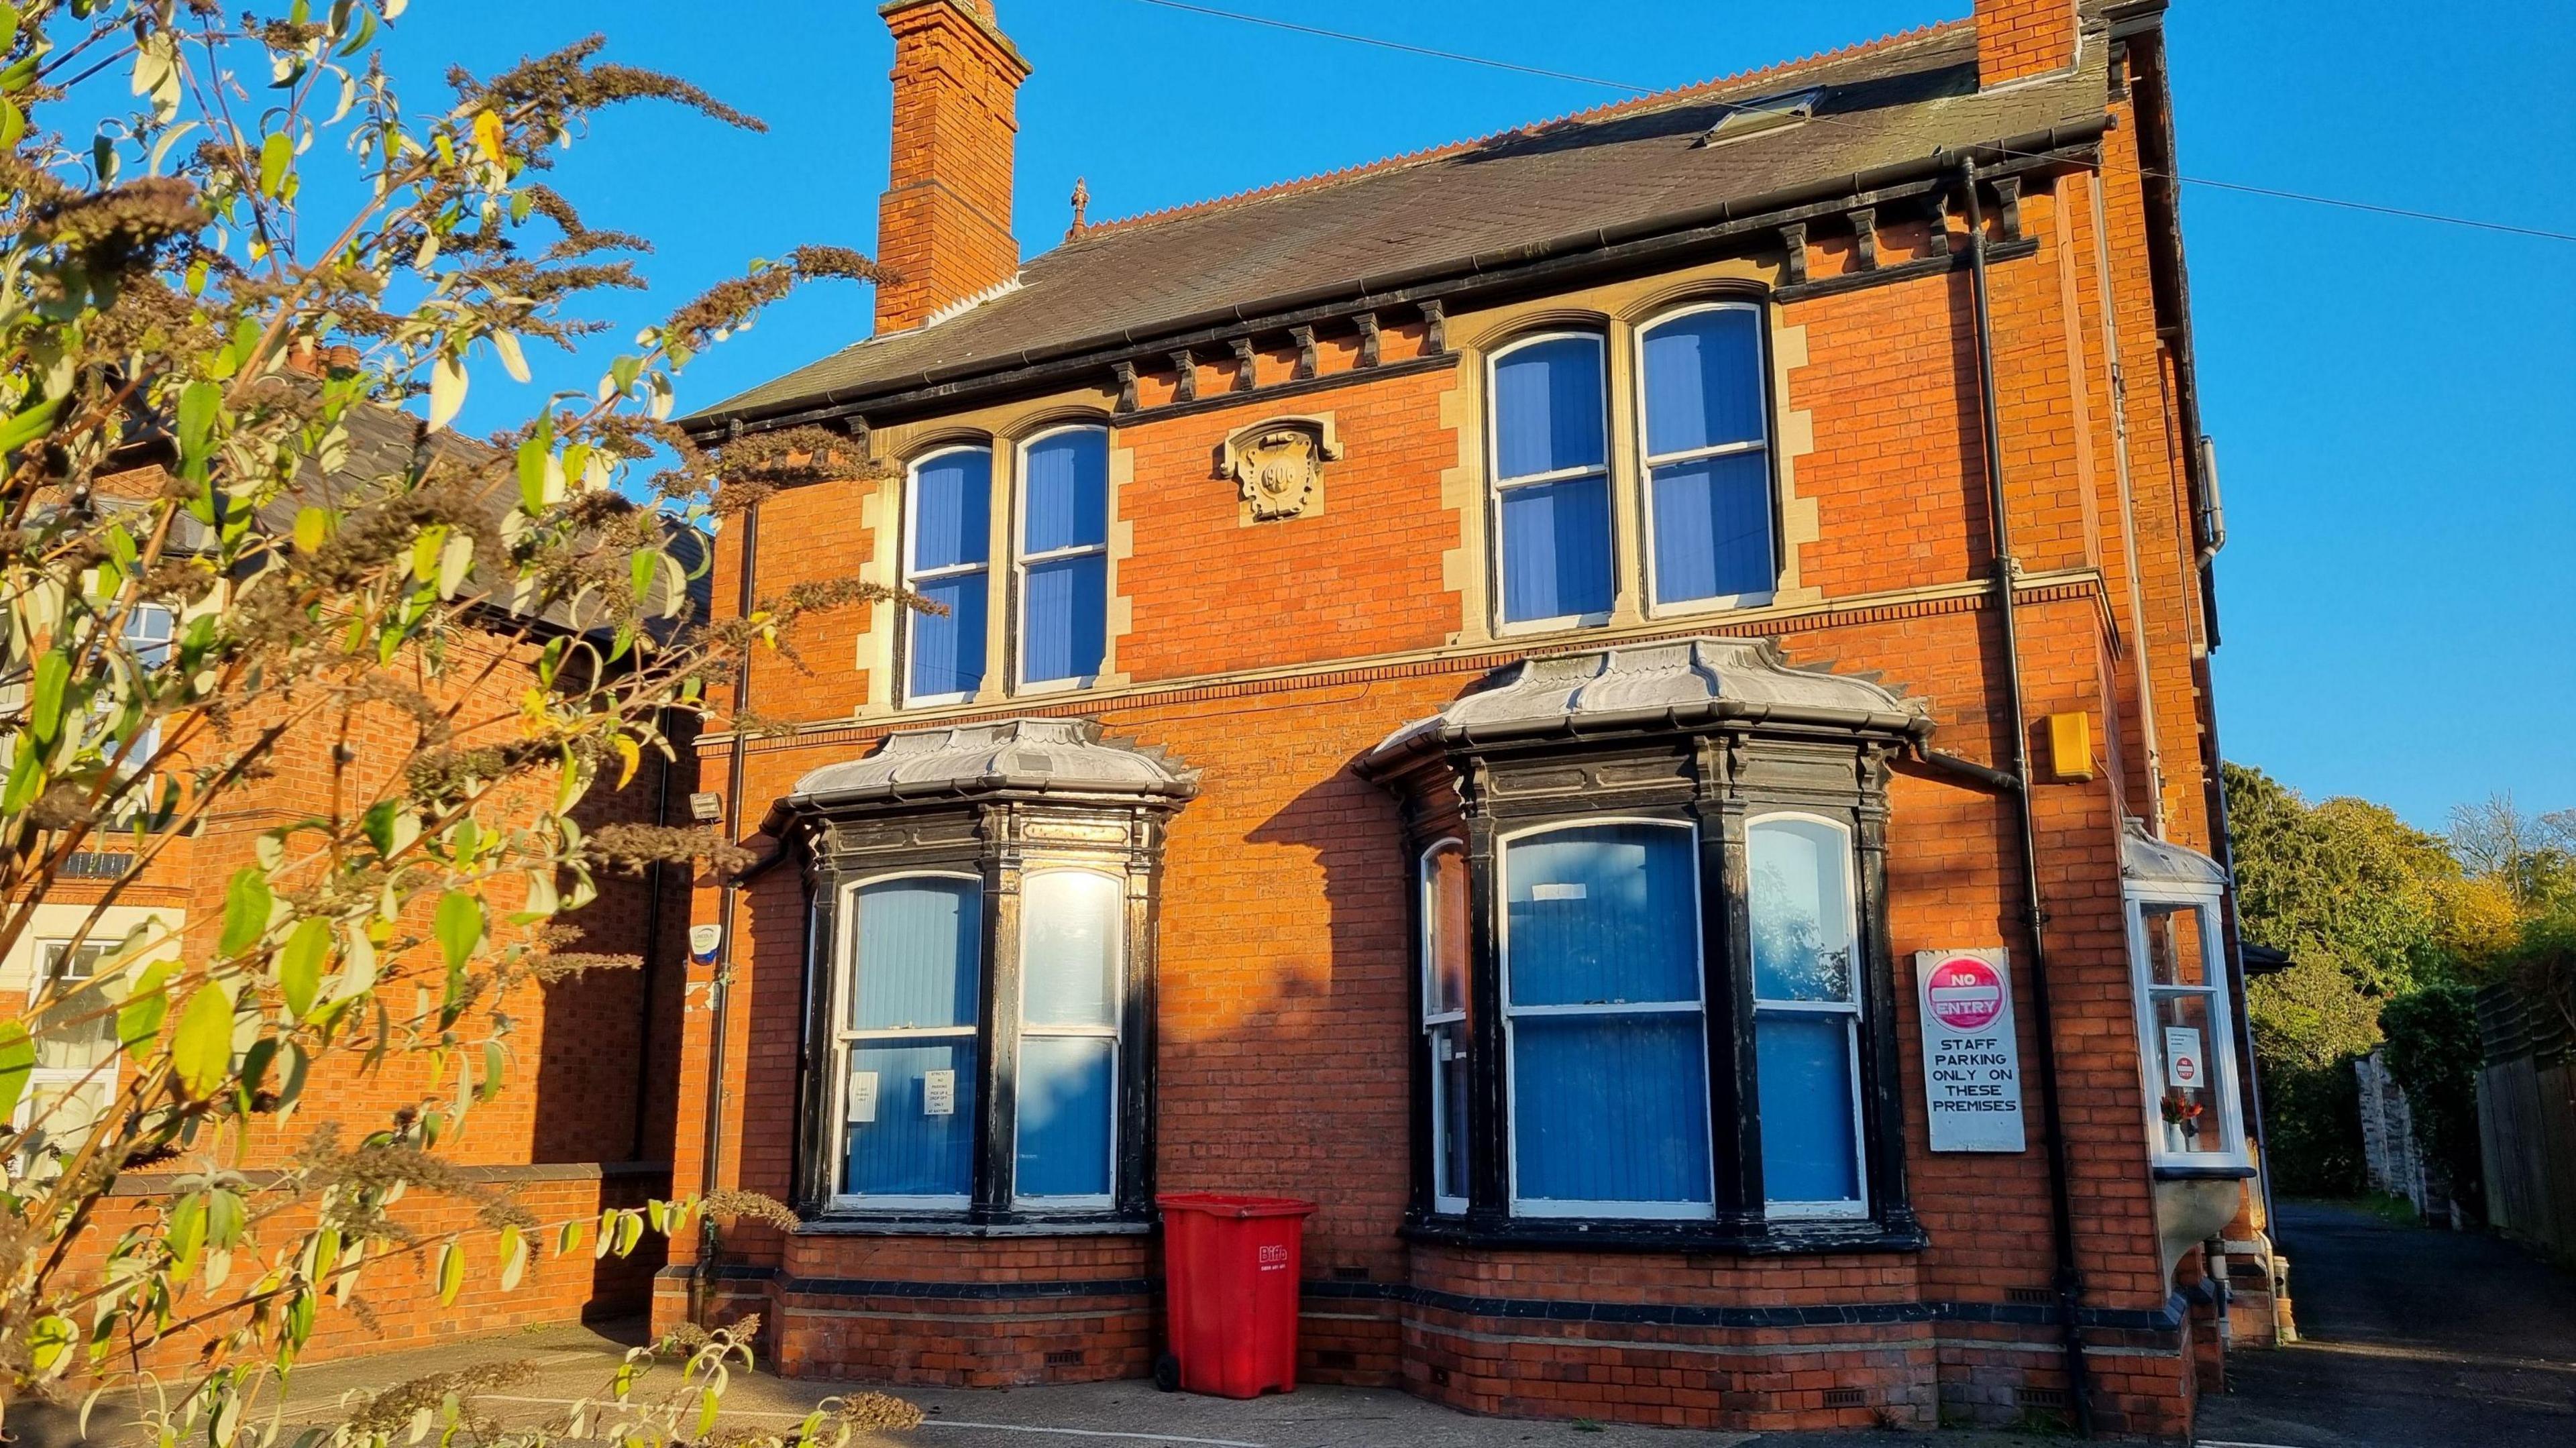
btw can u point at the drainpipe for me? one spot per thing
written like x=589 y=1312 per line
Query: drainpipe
x=2118 y=375
x=2070 y=1282
x=652 y=943
x=720 y=997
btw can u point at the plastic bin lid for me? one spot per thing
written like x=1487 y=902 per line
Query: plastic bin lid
x=1218 y=1204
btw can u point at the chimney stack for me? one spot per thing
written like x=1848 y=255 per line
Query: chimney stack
x=2021 y=38
x=944 y=224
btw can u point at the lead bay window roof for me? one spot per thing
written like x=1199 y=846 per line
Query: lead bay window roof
x=1046 y=757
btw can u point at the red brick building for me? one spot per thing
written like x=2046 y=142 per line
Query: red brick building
x=1486 y=692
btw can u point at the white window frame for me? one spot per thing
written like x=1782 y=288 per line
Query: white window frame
x=1022 y=560
x=1096 y=1201
x=1433 y=1020
x=1850 y=1011
x=1649 y=461
x=2219 y=1051
x=845 y=1040
x=913 y=576
x=1552 y=1207
x=104 y=1075
x=147 y=742
x=1498 y=485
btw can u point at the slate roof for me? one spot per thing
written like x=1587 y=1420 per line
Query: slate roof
x=1561 y=186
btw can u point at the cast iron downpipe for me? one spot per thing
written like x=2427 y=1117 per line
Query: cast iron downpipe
x=719 y=998
x=2070 y=1282
x=652 y=943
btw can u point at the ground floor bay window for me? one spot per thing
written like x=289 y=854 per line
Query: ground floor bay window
x=980 y=976
x=1655 y=989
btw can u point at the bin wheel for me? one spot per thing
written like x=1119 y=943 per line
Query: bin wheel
x=1167 y=1373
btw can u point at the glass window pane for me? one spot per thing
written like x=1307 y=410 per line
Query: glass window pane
x=1069 y=948
x=59 y=1115
x=920 y=961
x=1067 y=617
x=1067 y=1099
x=952 y=502
x=1704 y=382
x=1802 y=913
x=1067 y=492
x=147 y=633
x=897 y=1145
x=1809 y=1152
x=2186 y=1064
x=1548 y=408
x=1610 y=1108
x=1713 y=528
x=1601 y=915
x=1444 y=920
x=1449 y=1110
x=948 y=649
x=78 y=1026
x=2177 y=951
x=1556 y=549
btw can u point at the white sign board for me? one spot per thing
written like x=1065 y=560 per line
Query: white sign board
x=2183 y=1064
x=1971 y=1058
x=863 y=1097
x=938 y=1093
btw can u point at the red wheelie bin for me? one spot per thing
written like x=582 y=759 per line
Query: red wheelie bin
x=1230 y=1274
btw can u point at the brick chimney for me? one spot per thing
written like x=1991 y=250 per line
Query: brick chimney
x=944 y=224
x=2020 y=38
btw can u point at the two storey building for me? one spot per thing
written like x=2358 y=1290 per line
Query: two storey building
x=1623 y=706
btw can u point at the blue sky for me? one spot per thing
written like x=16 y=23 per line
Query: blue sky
x=2392 y=399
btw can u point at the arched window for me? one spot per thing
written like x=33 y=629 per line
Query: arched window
x=1064 y=555
x=906 y=1026
x=948 y=500
x=1603 y=1021
x=1070 y=929
x=1707 y=457
x=1550 y=445
x=1444 y=1017
x=1807 y=994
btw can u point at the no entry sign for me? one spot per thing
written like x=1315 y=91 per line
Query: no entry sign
x=1971 y=1058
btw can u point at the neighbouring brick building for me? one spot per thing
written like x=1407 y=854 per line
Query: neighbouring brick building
x=584 y=1117
x=1481 y=691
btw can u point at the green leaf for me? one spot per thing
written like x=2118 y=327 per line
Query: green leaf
x=312 y=529
x=49 y=1344
x=494 y=1062
x=13 y=123
x=568 y=1238
x=8 y=26
x=425 y=551
x=186 y=1234
x=451 y=1274
x=247 y=904
x=275 y=155
x=29 y=425
x=379 y=825
x=201 y=1051
x=446 y=390
x=26 y=781
x=709 y=1401
x=45 y=708
x=17 y=1058
x=459 y=927
x=138 y=1022
x=641 y=568
x=514 y=1258
x=299 y=966
x=533 y=456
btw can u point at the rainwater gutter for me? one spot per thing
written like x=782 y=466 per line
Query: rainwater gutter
x=720 y=994
x=2070 y=1282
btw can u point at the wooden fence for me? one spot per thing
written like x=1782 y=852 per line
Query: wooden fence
x=2527 y=1121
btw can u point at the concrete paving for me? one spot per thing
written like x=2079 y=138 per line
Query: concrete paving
x=2414 y=1338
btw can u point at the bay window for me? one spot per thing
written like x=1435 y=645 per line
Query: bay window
x=1552 y=479
x=1064 y=556
x=979 y=1041
x=1806 y=993
x=1444 y=1017
x=948 y=500
x=2187 y=1042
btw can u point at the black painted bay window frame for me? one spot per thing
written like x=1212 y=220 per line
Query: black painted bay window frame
x=1001 y=845
x=1714 y=780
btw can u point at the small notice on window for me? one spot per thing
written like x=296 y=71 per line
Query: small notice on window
x=1557 y=892
x=2183 y=1064
x=938 y=1093
x=1971 y=1055
x=863 y=1097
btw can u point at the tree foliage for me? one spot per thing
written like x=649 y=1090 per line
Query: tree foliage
x=208 y=577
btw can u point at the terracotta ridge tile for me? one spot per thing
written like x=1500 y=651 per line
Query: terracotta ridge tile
x=1603 y=112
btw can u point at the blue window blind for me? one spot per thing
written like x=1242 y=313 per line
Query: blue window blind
x=1551 y=466
x=1806 y=1015
x=948 y=542
x=1064 y=552
x=1067 y=1091
x=1444 y=1017
x=1708 y=464
x=1609 y=1069
x=909 y=1107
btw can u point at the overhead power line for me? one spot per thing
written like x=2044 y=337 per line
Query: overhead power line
x=1457 y=57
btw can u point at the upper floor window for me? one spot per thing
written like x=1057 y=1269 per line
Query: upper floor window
x=1064 y=556
x=948 y=502
x=1707 y=457
x=1552 y=479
